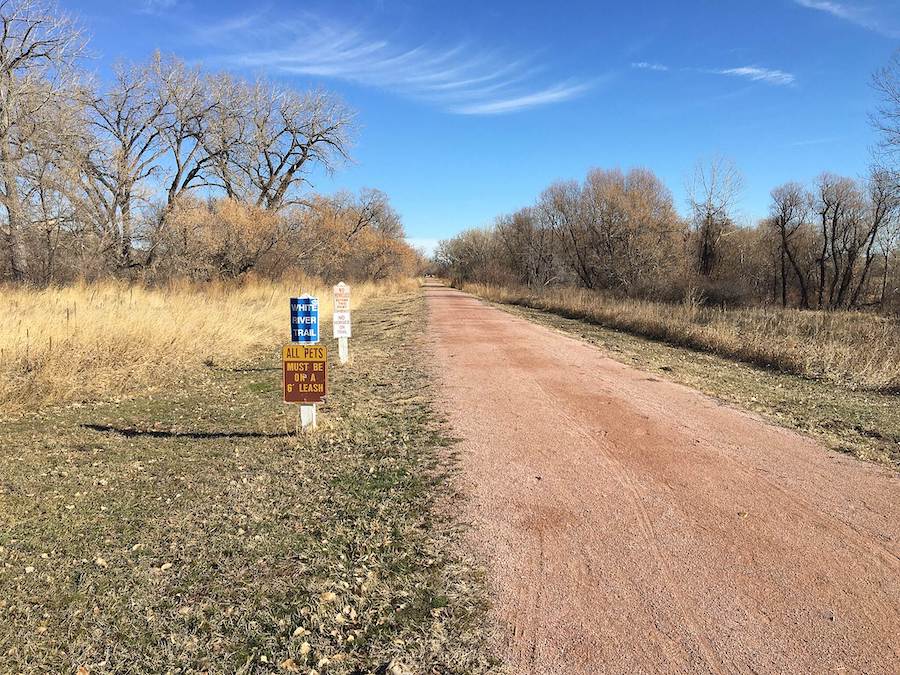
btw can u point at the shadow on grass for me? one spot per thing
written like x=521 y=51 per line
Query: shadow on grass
x=253 y=369
x=200 y=435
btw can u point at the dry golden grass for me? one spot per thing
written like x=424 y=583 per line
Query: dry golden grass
x=102 y=341
x=856 y=349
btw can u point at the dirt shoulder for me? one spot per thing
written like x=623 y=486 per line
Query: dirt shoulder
x=860 y=423
x=632 y=524
x=193 y=532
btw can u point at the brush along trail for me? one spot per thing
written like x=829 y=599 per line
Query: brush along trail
x=631 y=524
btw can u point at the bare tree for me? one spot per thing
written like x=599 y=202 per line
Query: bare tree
x=285 y=134
x=789 y=212
x=889 y=246
x=886 y=119
x=227 y=133
x=633 y=226
x=50 y=176
x=881 y=213
x=129 y=119
x=560 y=209
x=839 y=206
x=712 y=195
x=187 y=105
x=38 y=49
x=375 y=212
x=529 y=246
x=469 y=256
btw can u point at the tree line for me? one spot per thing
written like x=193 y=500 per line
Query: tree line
x=833 y=244
x=168 y=170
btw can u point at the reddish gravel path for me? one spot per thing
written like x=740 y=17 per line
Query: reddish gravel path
x=634 y=525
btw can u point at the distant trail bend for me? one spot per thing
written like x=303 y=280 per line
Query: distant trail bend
x=634 y=525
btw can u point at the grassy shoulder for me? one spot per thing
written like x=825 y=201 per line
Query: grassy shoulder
x=192 y=532
x=862 y=423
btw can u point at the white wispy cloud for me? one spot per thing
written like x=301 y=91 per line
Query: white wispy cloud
x=644 y=65
x=156 y=6
x=459 y=78
x=757 y=74
x=753 y=73
x=813 y=141
x=499 y=106
x=862 y=15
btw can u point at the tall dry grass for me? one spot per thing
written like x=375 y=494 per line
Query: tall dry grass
x=102 y=341
x=857 y=349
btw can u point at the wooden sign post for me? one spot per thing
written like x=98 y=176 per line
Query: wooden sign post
x=341 y=321
x=304 y=362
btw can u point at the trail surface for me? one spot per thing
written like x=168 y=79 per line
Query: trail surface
x=634 y=525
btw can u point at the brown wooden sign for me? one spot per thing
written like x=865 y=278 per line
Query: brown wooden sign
x=305 y=373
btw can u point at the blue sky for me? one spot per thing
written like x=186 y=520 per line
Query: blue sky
x=469 y=109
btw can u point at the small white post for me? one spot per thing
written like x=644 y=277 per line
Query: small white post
x=307 y=416
x=343 y=349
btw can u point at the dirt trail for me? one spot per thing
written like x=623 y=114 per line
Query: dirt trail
x=634 y=525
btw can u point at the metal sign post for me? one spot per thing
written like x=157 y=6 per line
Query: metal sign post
x=340 y=321
x=304 y=364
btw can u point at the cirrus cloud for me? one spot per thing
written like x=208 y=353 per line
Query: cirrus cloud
x=757 y=74
x=754 y=73
x=459 y=78
x=865 y=16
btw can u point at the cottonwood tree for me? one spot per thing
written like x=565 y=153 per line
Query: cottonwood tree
x=188 y=103
x=370 y=210
x=529 y=247
x=712 y=195
x=656 y=233
x=880 y=216
x=129 y=119
x=788 y=215
x=839 y=206
x=284 y=135
x=633 y=226
x=227 y=130
x=853 y=218
x=886 y=118
x=560 y=208
x=469 y=256
x=51 y=175
x=888 y=246
x=38 y=50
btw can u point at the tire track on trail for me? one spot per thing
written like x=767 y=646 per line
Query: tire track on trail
x=626 y=479
x=630 y=524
